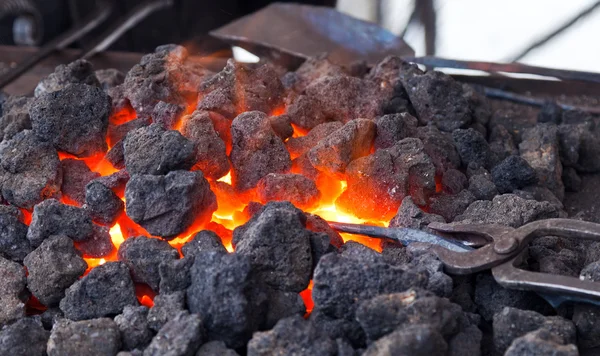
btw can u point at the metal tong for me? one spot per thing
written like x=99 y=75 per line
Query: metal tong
x=501 y=249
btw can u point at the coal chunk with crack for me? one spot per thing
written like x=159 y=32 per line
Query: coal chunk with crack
x=181 y=336
x=154 y=150
x=12 y=293
x=78 y=72
x=73 y=119
x=392 y=128
x=106 y=290
x=29 y=170
x=52 y=268
x=278 y=246
x=133 y=327
x=102 y=203
x=51 y=217
x=472 y=147
x=353 y=140
x=167 y=205
x=513 y=173
x=211 y=152
x=257 y=150
x=417 y=340
x=76 y=175
x=295 y=188
x=227 y=295
x=25 y=337
x=298 y=146
x=203 y=241
x=143 y=255
x=540 y=342
x=13 y=235
x=95 y=337
x=15 y=116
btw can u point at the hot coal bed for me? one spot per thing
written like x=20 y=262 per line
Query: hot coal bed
x=175 y=211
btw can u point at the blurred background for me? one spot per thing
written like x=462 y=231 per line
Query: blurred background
x=502 y=30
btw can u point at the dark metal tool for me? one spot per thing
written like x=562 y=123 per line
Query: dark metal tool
x=502 y=255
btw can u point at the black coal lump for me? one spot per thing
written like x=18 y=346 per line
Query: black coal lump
x=182 y=335
x=102 y=203
x=281 y=305
x=416 y=340
x=472 y=147
x=585 y=316
x=277 y=244
x=453 y=181
x=513 y=173
x=109 y=78
x=347 y=330
x=539 y=343
x=13 y=236
x=512 y=323
x=73 y=119
x=50 y=317
x=117 y=133
x=440 y=147
x=97 y=337
x=51 y=217
x=154 y=150
x=167 y=114
x=29 y=170
x=99 y=244
x=166 y=306
x=12 y=291
x=482 y=187
x=450 y=206
x=76 y=174
x=392 y=128
x=203 y=241
x=52 y=268
x=167 y=205
x=571 y=179
x=116 y=155
x=225 y=293
x=106 y=290
x=411 y=216
x=133 y=326
x=143 y=255
x=78 y=72
x=292 y=336
x=212 y=348
x=15 y=116
x=25 y=337
x=175 y=274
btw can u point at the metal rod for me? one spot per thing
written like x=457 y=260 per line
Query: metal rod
x=522 y=99
x=103 y=11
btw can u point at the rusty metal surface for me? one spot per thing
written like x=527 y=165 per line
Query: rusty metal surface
x=290 y=33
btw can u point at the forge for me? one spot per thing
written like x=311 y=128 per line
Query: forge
x=178 y=210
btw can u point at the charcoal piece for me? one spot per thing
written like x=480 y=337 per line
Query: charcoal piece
x=77 y=72
x=451 y=206
x=295 y=188
x=118 y=133
x=15 y=116
x=109 y=78
x=143 y=255
x=550 y=112
x=297 y=146
x=13 y=235
x=211 y=154
x=180 y=336
x=491 y=298
x=482 y=187
x=226 y=294
x=340 y=284
x=394 y=253
x=438 y=282
x=166 y=306
x=73 y=119
x=312 y=69
x=30 y=170
x=99 y=244
x=440 y=147
x=116 y=155
x=119 y=101
x=513 y=173
x=393 y=128
x=472 y=147
x=242 y=88
x=417 y=340
x=571 y=179
x=51 y=217
x=50 y=317
x=538 y=343
x=133 y=327
x=359 y=252
x=221 y=125
x=411 y=216
x=76 y=174
x=466 y=342
x=161 y=76
x=167 y=205
x=203 y=241
x=390 y=69
x=390 y=175
x=541 y=194
x=167 y=115
x=25 y=337
x=282 y=126
x=502 y=143
x=333 y=154
x=281 y=305
x=12 y=294
x=585 y=318
x=453 y=181
x=591 y=272
x=571 y=140
x=540 y=148
x=215 y=348
x=439 y=99
x=292 y=336
x=52 y=268
x=344 y=329
x=257 y=150
x=115 y=181
x=512 y=323
x=96 y=337
x=316 y=223
x=175 y=274
x=509 y=210
x=306 y=112
x=152 y=150
x=106 y=290
x=102 y=203
x=479 y=105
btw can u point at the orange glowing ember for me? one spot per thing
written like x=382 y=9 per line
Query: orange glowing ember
x=307 y=298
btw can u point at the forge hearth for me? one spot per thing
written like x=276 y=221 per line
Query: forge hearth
x=177 y=211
